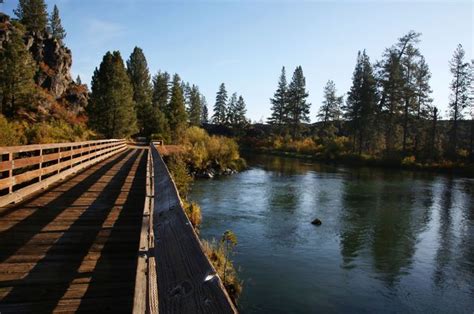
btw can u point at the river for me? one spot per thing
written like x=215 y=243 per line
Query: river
x=390 y=241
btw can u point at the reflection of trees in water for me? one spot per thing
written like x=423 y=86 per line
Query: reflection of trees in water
x=280 y=224
x=467 y=233
x=385 y=217
x=443 y=254
x=357 y=201
x=288 y=166
x=452 y=249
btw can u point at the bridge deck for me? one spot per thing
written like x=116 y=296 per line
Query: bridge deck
x=74 y=246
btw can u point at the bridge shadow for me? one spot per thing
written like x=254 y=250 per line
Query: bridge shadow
x=17 y=236
x=115 y=270
x=51 y=278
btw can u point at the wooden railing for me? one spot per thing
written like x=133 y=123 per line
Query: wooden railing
x=27 y=169
x=173 y=273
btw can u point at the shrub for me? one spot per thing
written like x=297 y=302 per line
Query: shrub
x=179 y=172
x=204 y=151
x=11 y=133
x=216 y=252
x=193 y=211
x=57 y=131
x=409 y=161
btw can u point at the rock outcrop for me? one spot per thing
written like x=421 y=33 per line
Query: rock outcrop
x=54 y=61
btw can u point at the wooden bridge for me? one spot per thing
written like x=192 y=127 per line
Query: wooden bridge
x=98 y=226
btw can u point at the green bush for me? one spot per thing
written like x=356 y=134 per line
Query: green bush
x=11 y=133
x=203 y=151
x=179 y=172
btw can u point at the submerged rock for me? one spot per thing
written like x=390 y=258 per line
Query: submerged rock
x=316 y=222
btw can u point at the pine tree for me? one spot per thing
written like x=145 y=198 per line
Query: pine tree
x=205 y=111
x=177 y=111
x=137 y=69
x=330 y=110
x=433 y=133
x=240 y=111
x=391 y=104
x=422 y=102
x=396 y=92
x=195 y=106
x=460 y=86
x=409 y=68
x=231 y=109
x=55 y=27
x=78 y=80
x=161 y=91
x=280 y=102
x=298 y=108
x=17 y=70
x=32 y=14
x=361 y=105
x=220 y=107
x=111 y=108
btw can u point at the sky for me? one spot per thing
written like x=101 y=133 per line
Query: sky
x=245 y=43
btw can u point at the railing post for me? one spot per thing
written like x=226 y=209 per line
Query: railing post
x=41 y=164
x=10 y=172
x=72 y=155
x=59 y=159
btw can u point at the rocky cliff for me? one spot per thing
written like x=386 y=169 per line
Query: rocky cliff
x=53 y=74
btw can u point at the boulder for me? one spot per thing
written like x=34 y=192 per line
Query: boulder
x=316 y=222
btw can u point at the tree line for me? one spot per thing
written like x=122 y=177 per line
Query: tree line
x=388 y=110
x=125 y=100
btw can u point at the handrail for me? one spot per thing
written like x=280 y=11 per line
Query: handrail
x=29 y=168
x=186 y=281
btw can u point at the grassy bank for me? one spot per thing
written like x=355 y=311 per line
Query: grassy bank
x=353 y=160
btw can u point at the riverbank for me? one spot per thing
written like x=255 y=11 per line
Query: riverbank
x=446 y=167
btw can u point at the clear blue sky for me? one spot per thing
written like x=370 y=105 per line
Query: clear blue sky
x=245 y=43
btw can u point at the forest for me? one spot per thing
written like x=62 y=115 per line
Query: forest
x=388 y=113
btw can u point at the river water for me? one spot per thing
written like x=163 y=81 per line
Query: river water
x=390 y=241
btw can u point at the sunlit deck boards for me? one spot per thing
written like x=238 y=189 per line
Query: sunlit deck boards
x=74 y=246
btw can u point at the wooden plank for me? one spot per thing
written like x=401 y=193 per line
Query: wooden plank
x=89 y=265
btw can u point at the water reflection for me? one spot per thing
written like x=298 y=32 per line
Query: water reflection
x=390 y=240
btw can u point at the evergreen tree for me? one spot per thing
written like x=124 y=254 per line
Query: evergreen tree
x=459 y=101
x=330 y=110
x=177 y=111
x=361 y=105
x=391 y=105
x=32 y=14
x=298 y=108
x=111 y=107
x=422 y=100
x=78 y=80
x=394 y=77
x=220 y=107
x=409 y=68
x=205 y=111
x=55 y=27
x=240 y=111
x=231 y=110
x=433 y=133
x=280 y=102
x=195 y=106
x=137 y=69
x=17 y=70
x=161 y=91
